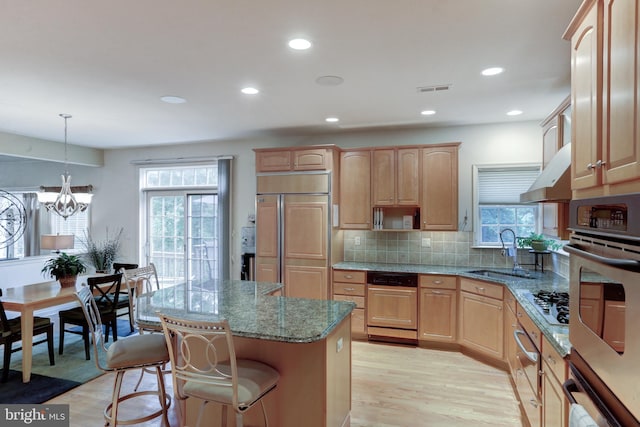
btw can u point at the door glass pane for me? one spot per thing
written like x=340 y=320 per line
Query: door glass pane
x=166 y=237
x=202 y=237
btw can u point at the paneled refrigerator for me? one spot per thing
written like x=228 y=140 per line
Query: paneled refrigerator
x=293 y=233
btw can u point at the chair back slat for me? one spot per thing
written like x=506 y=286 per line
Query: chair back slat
x=201 y=352
x=117 y=266
x=94 y=321
x=142 y=279
x=106 y=296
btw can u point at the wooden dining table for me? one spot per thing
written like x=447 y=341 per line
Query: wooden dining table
x=29 y=298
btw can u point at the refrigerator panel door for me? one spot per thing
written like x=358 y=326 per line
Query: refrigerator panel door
x=306 y=220
x=267 y=238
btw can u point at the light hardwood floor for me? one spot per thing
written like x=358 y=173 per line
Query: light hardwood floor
x=393 y=385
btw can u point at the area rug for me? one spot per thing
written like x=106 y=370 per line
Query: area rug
x=40 y=389
x=71 y=369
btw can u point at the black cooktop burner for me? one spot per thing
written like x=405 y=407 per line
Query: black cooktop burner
x=553 y=305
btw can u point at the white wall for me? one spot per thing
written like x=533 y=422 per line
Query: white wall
x=116 y=196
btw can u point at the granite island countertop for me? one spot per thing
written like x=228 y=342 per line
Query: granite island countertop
x=250 y=309
x=558 y=336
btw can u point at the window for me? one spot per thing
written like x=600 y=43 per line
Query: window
x=496 y=201
x=77 y=224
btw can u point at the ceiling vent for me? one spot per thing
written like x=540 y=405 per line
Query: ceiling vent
x=435 y=88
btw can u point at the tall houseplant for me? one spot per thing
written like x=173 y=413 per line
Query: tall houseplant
x=102 y=254
x=64 y=268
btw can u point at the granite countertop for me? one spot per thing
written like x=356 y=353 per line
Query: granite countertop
x=558 y=336
x=250 y=309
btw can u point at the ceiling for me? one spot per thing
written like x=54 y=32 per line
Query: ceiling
x=109 y=63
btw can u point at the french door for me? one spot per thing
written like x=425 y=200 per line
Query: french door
x=182 y=240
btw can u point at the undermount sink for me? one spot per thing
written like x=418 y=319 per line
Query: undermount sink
x=501 y=274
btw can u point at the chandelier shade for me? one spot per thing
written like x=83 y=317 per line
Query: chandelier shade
x=63 y=200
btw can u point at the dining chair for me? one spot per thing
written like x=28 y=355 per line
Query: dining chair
x=130 y=353
x=11 y=332
x=204 y=366
x=139 y=281
x=123 y=300
x=107 y=302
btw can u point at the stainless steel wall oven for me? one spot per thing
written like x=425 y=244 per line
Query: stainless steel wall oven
x=605 y=308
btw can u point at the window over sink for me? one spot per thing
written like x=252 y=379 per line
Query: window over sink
x=496 y=203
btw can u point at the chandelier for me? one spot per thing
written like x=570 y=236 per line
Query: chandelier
x=62 y=200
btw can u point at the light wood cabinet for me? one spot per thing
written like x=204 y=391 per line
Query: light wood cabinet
x=438 y=308
x=349 y=285
x=481 y=318
x=395 y=177
x=614 y=324
x=555 y=134
x=305 y=282
x=604 y=63
x=355 y=189
x=591 y=311
x=510 y=325
x=554 y=373
x=282 y=160
x=439 y=194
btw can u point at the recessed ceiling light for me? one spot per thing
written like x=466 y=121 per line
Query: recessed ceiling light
x=299 y=44
x=250 y=91
x=332 y=120
x=428 y=112
x=492 y=71
x=170 y=99
x=329 y=80
x=514 y=113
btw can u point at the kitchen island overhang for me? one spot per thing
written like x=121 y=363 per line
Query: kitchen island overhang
x=308 y=341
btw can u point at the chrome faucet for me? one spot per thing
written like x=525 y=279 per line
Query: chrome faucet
x=511 y=251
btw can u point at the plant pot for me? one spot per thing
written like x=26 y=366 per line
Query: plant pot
x=538 y=245
x=68 y=281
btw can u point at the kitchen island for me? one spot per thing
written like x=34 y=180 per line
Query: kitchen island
x=307 y=341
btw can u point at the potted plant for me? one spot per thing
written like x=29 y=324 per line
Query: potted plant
x=102 y=254
x=64 y=268
x=538 y=242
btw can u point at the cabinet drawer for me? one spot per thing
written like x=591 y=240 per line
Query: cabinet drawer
x=529 y=326
x=481 y=288
x=348 y=289
x=358 y=300
x=349 y=276
x=553 y=360
x=437 y=281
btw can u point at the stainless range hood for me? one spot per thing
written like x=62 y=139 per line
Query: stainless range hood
x=554 y=182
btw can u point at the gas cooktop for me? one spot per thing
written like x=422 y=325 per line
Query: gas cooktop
x=552 y=305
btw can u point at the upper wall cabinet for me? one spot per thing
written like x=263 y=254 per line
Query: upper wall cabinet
x=355 y=189
x=439 y=198
x=604 y=36
x=283 y=160
x=395 y=179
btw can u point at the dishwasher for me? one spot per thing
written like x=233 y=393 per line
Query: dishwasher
x=392 y=306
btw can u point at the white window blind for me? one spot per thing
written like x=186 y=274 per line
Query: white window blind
x=503 y=186
x=77 y=224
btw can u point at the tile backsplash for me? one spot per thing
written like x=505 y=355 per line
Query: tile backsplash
x=437 y=248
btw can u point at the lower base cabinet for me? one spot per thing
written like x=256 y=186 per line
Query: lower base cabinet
x=481 y=318
x=555 y=411
x=438 y=308
x=349 y=285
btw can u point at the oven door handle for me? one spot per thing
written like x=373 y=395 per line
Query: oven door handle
x=624 y=264
x=569 y=386
x=531 y=355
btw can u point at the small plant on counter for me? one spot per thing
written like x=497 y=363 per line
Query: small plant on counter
x=538 y=242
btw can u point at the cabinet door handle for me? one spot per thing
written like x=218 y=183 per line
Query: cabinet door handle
x=600 y=163
x=531 y=355
x=436 y=292
x=479 y=289
x=590 y=166
x=350 y=289
x=534 y=403
x=437 y=282
x=348 y=276
x=551 y=359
